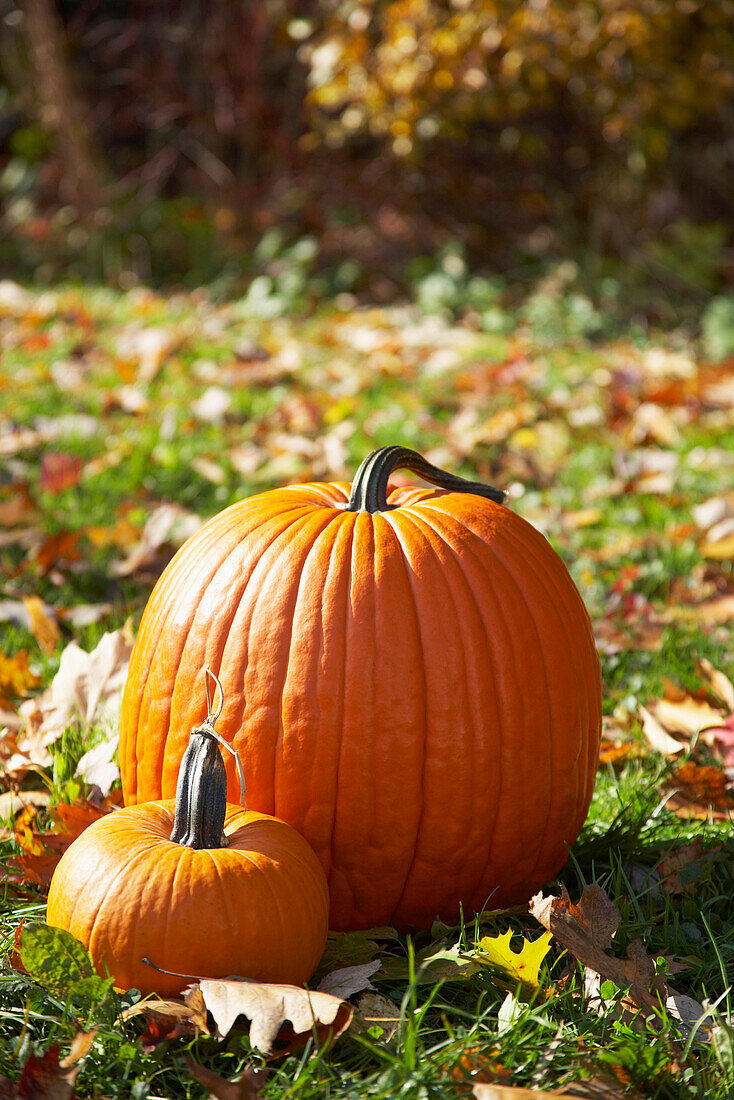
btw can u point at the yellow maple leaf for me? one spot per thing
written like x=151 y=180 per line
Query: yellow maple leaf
x=15 y=677
x=520 y=967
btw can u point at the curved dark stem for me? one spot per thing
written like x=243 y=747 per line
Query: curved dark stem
x=201 y=794
x=369 y=488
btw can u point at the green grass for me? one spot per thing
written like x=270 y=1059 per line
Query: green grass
x=359 y=397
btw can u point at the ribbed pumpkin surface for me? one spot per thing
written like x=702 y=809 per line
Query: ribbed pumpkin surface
x=416 y=691
x=257 y=908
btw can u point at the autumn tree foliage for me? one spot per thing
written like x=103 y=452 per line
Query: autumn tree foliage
x=487 y=117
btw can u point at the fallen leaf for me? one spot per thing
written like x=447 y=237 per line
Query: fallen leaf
x=718 y=683
x=245 y=1087
x=87 y=688
x=11 y=802
x=586 y=517
x=17 y=506
x=700 y=792
x=373 y=1011
x=59 y=547
x=721 y=740
x=657 y=737
x=42 y=625
x=352 y=948
x=59 y=472
x=97 y=768
x=611 y=752
x=167 y=1019
x=269 y=1006
x=349 y=980
x=169 y=524
x=81 y=1045
x=15 y=677
x=43 y=849
x=587 y=930
x=213 y=405
x=122 y=534
x=686 y=715
x=521 y=967
x=43 y=1077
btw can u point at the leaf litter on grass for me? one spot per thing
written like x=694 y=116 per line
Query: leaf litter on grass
x=618 y=454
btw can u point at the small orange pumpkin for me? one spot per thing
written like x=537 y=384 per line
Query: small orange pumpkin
x=195 y=885
x=410 y=674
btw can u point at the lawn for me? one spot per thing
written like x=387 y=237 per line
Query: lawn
x=128 y=418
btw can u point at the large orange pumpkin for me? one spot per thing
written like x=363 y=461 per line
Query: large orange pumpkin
x=411 y=680
x=197 y=886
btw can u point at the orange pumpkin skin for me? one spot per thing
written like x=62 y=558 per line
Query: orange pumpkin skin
x=257 y=908
x=415 y=690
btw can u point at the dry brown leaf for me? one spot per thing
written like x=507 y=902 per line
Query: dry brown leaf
x=59 y=471
x=245 y=1087
x=587 y=930
x=80 y=1046
x=700 y=792
x=269 y=1007
x=168 y=1019
x=375 y=1011
x=44 y=1077
x=42 y=625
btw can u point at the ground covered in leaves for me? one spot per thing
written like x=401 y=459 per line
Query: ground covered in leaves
x=127 y=419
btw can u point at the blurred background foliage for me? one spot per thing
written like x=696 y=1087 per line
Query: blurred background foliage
x=445 y=149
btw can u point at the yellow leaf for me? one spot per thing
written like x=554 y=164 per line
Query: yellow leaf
x=520 y=966
x=15 y=677
x=42 y=626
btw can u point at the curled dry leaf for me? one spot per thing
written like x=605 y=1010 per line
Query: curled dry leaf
x=587 y=930
x=656 y=737
x=269 y=1007
x=86 y=688
x=245 y=1087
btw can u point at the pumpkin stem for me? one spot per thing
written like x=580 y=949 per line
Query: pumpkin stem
x=369 y=488
x=201 y=793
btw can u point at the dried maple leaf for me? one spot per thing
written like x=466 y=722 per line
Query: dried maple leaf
x=245 y=1087
x=520 y=967
x=269 y=1007
x=587 y=930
